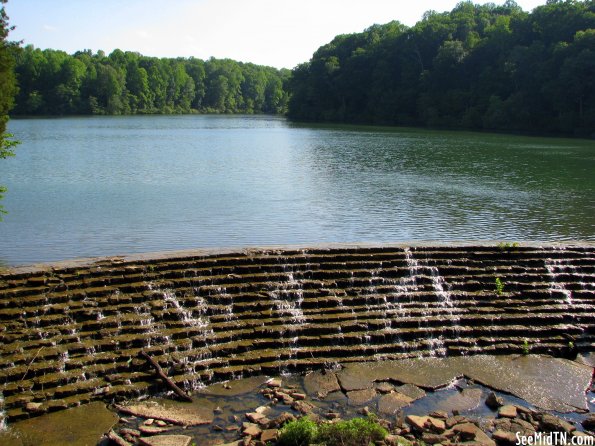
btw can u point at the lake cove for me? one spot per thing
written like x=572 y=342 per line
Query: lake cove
x=96 y=186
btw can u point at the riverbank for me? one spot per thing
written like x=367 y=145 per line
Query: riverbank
x=483 y=400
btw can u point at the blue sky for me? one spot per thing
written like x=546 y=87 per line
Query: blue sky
x=279 y=33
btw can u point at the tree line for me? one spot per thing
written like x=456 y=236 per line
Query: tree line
x=8 y=89
x=476 y=67
x=52 y=82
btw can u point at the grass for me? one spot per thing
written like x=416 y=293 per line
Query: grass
x=354 y=432
x=507 y=246
x=499 y=286
x=526 y=347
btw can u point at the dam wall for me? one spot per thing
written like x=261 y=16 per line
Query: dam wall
x=72 y=332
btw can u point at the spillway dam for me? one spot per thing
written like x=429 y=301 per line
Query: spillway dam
x=73 y=332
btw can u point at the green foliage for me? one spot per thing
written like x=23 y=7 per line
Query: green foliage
x=499 y=286
x=53 y=82
x=526 y=347
x=301 y=432
x=8 y=89
x=478 y=66
x=354 y=432
x=507 y=246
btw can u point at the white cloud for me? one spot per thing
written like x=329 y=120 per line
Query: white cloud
x=50 y=28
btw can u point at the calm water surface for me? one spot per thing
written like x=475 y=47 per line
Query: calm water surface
x=93 y=186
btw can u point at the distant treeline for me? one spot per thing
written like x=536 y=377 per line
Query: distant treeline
x=53 y=82
x=477 y=67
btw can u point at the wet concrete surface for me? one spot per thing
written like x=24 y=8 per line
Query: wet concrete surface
x=81 y=426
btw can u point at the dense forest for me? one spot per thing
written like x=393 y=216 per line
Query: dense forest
x=476 y=67
x=8 y=89
x=54 y=82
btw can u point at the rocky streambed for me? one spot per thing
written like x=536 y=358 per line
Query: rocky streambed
x=479 y=400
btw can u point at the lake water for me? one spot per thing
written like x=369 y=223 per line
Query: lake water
x=94 y=186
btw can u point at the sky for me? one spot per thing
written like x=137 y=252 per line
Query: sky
x=278 y=33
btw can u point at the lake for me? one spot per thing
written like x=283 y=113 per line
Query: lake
x=95 y=186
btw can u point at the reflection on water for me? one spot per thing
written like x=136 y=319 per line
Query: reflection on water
x=93 y=186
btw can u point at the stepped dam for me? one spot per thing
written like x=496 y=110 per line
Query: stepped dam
x=73 y=332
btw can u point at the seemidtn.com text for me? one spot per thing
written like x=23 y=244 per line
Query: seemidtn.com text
x=553 y=438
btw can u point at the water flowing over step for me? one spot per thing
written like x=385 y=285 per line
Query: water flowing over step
x=72 y=333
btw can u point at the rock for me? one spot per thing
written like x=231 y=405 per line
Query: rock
x=321 y=384
x=148 y=421
x=522 y=427
x=217 y=410
x=166 y=440
x=589 y=422
x=131 y=432
x=116 y=439
x=439 y=414
x=152 y=430
x=274 y=382
x=160 y=423
x=390 y=403
x=360 y=397
x=397 y=440
x=177 y=414
x=34 y=407
x=254 y=416
x=269 y=435
x=298 y=396
x=412 y=391
x=302 y=407
x=435 y=425
x=508 y=411
x=384 y=387
x=417 y=422
x=466 y=431
x=550 y=423
x=285 y=417
x=433 y=438
x=470 y=432
x=332 y=415
x=493 y=401
x=450 y=422
x=264 y=422
x=252 y=431
x=503 y=437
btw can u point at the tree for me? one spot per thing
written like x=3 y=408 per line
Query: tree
x=8 y=89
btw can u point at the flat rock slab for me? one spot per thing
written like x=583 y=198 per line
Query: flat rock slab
x=321 y=384
x=166 y=440
x=235 y=387
x=467 y=399
x=390 y=403
x=546 y=382
x=361 y=397
x=428 y=373
x=411 y=391
x=80 y=426
x=586 y=359
x=184 y=414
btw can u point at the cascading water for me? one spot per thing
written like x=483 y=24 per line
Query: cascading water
x=555 y=267
x=213 y=317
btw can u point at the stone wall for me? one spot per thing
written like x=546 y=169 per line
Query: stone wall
x=72 y=332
